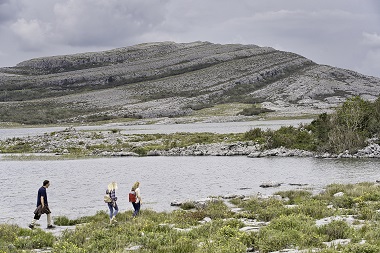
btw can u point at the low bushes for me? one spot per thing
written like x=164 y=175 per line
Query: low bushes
x=283 y=226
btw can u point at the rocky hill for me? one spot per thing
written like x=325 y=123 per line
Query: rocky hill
x=170 y=79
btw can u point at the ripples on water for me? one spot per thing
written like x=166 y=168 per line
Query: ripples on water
x=77 y=186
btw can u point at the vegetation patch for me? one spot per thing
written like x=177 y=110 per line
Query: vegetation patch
x=254 y=110
x=228 y=109
x=39 y=112
x=214 y=228
x=347 y=130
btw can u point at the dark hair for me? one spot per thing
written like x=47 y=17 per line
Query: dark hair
x=45 y=182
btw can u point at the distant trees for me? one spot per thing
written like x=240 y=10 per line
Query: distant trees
x=347 y=128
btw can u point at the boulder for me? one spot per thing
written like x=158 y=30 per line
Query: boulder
x=339 y=194
x=270 y=184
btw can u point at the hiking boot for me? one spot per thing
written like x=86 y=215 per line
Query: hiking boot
x=31 y=226
x=50 y=227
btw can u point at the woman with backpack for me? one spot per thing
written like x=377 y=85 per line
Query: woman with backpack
x=136 y=199
x=114 y=209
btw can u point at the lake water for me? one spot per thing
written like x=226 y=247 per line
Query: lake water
x=77 y=186
x=225 y=127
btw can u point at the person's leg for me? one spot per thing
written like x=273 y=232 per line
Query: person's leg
x=135 y=208
x=110 y=206
x=48 y=217
x=116 y=210
x=35 y=219
x=138 y=205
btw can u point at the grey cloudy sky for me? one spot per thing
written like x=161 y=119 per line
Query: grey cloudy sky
x=340 y=33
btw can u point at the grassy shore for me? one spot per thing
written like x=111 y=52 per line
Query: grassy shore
x=343 y=218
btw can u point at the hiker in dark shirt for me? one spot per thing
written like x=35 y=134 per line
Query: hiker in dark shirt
x=42 y=206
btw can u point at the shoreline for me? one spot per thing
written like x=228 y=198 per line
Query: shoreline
x=343 y=215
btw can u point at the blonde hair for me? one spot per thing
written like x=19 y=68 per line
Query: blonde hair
x=112 y=186
x=135 y=185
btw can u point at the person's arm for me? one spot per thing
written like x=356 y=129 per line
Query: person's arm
x=138 y=196
x=42 y=201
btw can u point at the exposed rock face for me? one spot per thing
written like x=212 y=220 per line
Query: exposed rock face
x=172 y=79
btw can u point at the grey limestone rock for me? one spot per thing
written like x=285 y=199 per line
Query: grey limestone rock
x=167 y=79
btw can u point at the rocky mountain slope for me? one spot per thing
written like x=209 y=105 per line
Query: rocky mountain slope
x=170 y=79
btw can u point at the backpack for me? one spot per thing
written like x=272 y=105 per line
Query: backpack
x=132 y=196
x=107 y=198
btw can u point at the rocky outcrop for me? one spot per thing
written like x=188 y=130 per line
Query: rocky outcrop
x=174 y=79
x=214 y=149
x=115 y=143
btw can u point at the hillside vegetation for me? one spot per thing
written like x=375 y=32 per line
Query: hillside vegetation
x=170 y=79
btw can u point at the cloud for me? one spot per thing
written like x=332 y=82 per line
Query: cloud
x=33 y=33
x=371 y=60
x=7 y=10
x=85 y=23
x=371 y=39
x=99 y=22
x=339 y=33
x=370 y=64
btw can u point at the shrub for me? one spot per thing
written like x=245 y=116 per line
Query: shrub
x=287 y=231
x=36 y=240
x=290 y=137
x=254 y=110
x=188 y=205
x=361 y=248
x=184 y=244
x=314 y=208
x=140 y=151
x=367 y=213
x=336 y=229
x=348 y=127
x=18 y=147
x=273 y=240
x=294 y=196
x=21 y=238
x=226 y=246
x=185 y=219
x=67 y=247
x=371 y=233
x=216 y=209
x=264 y=210
x=343 y=202
x=64 y=221
x=297 y=222
x=254 y=134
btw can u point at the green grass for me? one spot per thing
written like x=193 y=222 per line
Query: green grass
x=95 y=142
x=181 y=231
x=229 y=109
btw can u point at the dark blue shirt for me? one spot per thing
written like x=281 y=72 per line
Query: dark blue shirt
x=42 y=192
